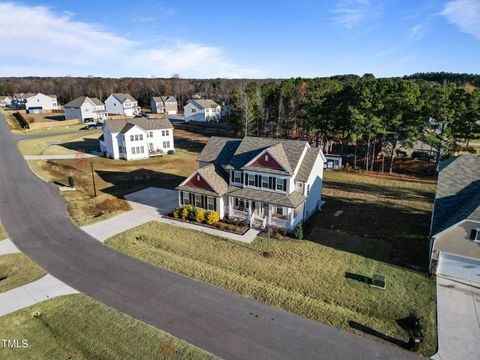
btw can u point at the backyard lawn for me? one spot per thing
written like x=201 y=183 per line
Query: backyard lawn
x=17 y=270
x=77 y=327
x=302 y=277
x=83 y=141
x=379 y=216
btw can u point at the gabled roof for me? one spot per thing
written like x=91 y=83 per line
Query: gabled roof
x=24 y=95
x=214 y=175
x=118 y=125
x=96 y=101
x=307 y=164
x=78 y=102
x=458 y=192
x=123 y=96
x=250 y=147
x=278 y=153
x=164 y=99
x=204 y=103
x=219 y=150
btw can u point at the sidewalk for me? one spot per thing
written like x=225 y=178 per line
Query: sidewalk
x=59 y=157
x=8 y=247
x=24 y=296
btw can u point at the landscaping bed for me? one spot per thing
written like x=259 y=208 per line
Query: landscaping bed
x=77 y=327
x=299 y=276
x=17 y=270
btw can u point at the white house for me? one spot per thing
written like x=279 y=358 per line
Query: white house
x=202 y=110
x=268 y=182
x=122 y=104
x=137 y=138
x=35 y=101
x=164 y=105
x=5 y=101
x=86 y=110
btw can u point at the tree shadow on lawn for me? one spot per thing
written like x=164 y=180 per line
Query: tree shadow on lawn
x=87 y=145
x=189 y=144
x=123 y=183
x=55 y=117
x=391 y=235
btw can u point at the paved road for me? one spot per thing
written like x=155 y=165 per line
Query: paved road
x=224 y=323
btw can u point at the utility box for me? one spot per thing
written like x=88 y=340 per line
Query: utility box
x=71 y=183
x=378 y=281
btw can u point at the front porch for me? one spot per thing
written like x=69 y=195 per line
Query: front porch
x=260 y=214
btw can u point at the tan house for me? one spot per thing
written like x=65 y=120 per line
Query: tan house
x=164 y=105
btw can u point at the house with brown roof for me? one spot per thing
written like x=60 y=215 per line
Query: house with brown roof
x=122 y=104
x=137 y=138
x=202 y=110
x=268 y=182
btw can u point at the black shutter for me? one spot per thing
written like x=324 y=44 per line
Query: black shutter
x=270 y=183
x=245 y=178
x=203 y=201
x=236 y=201
x=181 y=197
x=256 y=180
x=233 y=176
x=215 y=204
x=284 y=184
x=274 y=183
x=473 y=234
x=190 y=198
x=241 y=177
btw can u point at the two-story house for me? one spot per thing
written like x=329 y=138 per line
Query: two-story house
x=137 y=138
x=202 y=110
x=164 y=105
x=265 y=181
x=35 y=101
x=5 y=101
x=122 y=104
x=86 y=110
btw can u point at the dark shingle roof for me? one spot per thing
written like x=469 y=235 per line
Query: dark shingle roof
x=118 y=125
x=215 y=176
x=219 y=150
x=458 y=192
x=307 y=164
x=78 y=102
x=163 y=99
x=96 y=101
x=205 y=103
x=292 y=200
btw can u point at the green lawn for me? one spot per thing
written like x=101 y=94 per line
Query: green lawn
x=303 y=277
x=3 y=232
x=77 y=327
x=61 y=144
x=17 y=270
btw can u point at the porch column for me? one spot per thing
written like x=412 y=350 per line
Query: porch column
x=291 y=216
x=269 y=215
x=249 y=209
x=179 y=198
x=230 y=210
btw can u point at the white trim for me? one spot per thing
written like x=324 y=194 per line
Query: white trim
x=456 y=224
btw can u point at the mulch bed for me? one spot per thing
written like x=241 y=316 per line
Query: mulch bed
x=239 y=230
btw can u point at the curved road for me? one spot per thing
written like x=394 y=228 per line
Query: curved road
x=221 y=322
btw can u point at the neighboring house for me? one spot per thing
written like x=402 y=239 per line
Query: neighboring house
x=455 y=228
x=85 y=109
x=264 y=181
x=202 y=110
x=5 y=100
x=333 y=162
x=164 y=105
x=38 y=102
x=122 y=104
x=137 y=138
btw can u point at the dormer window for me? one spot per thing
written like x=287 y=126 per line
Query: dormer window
x=475 y=234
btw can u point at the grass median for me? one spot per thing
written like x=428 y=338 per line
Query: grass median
x=17 y=270
x=302 y=277
x=77 y=327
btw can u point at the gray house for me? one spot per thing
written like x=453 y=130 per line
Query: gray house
x=164 y=105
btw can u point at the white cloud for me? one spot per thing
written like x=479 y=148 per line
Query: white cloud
x=349 y=13
x=465 y=14
x=416 y=32
x=37 y=40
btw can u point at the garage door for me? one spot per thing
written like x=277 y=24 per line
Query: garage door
x=459 y=267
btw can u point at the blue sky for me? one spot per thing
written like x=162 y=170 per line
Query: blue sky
x=238 y=39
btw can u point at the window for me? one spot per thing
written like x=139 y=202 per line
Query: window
x=280 y=185
x=266 y=157
x=142 y=149
x=198 y=200
x=265 y=182
x=166 y=144
x=150 y=134
x=194 y=110
x=237 y=177
x=136 y=137
x=240 y=204
x=475 y=235
x=198 y=177
x=138 y=149
x=133 y=150
x=300 y=184
x=140 y=137
x=186 y=198
x=210 y=203
x=165 y=133
x=251 y=180
x=279 y=210
x=132 y=138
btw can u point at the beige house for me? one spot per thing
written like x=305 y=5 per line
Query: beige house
x=164 y=105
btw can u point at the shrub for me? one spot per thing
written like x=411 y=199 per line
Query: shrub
x=298 y=232
x=170 y=152
x=282 y=231
x=184 y=213
x=200 y=215
x=191 y=212
x=177 y=213
x=212 y=217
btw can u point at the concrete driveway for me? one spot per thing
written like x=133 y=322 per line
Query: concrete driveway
x=458 y=308
x=153 y=200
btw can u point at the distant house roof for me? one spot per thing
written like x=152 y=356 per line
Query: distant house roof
x=122 y=125
x=78 y=102
x=205 y=103
x=164 y=99
x=5 y=97
x=122 y=97
x=307 y=164
x=24 y=95
x=458 y=192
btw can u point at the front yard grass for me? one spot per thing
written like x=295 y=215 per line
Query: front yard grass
x=81 y=141
x=114 y=179
x=77 y=327
x=302 y=277
x=3 y=232
x=17 y=270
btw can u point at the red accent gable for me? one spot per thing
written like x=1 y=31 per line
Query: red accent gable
x=198 y=183
x=270 y=163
